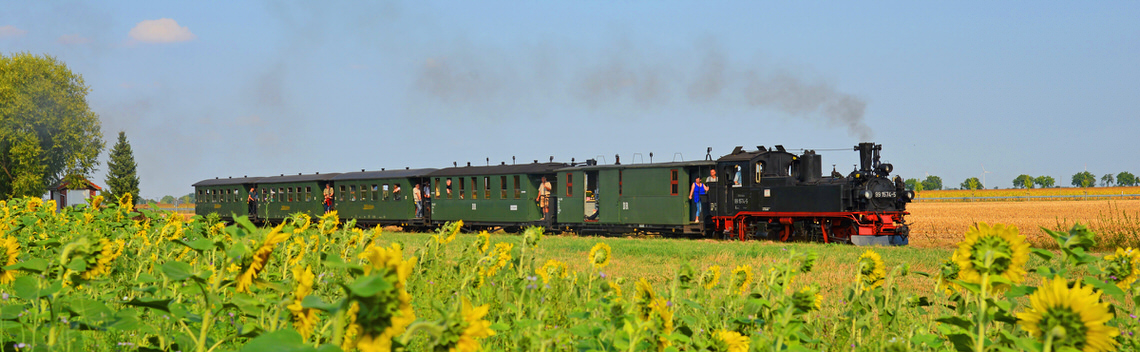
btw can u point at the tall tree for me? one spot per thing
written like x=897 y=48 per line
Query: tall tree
x=932 y=183
x=972 y=184
x=1045 y=181
x=121 y=170
x=912 y=184
x=1125 y=178
x=41 y=97
x=1107 y=180
x=1023 y=181
x=1084 y=179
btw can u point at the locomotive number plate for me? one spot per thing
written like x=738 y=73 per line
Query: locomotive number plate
x=885 y=194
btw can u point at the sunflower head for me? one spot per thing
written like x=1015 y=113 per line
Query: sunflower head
x=1123 y=267
x=501 y=257
x=730 y=341
x=532 y=235
x=600 y=255
x=996 y=250
x=329 y=223
x=948 y=272
x=807 y=299
x=447 y=232
x=10 y=249
x=711 y=277
x=642 y=298
x=872 y=271
x=125 y=202
x=742 y=279
x=1072 y=315
x=482 y=241
x=469 y=327
x=551 y=269
x=96 y=202
x=386 y=313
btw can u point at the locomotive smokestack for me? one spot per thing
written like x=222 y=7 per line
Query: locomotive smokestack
x=865 y=156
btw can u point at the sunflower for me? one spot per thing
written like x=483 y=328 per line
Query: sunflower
x=125 y=202
x=1123 y=267
x=552 y=268
x=996 y=250
x=108 y=251
x=663 y=310
x=482 y=241
x=1071 y=317
x=742 y=278
x=95 y=202
x=260 y=258
x=304 y=319
x=710 y=277
x=173 y=228
x=387 y=313
x=452 y=229
x=948 y=273
x=502 y=257
x=643 y=298
x=872 y=271
x=34 y=203
x=329 y=223
x=614 y=289
x=807 y=299
x=731 y=341
x=351 y=328
x=475 y=327
x=11 y=250
x=600 y=255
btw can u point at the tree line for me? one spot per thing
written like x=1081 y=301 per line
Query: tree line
x=1080 y=179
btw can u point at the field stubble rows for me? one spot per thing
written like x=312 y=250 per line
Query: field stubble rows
x=941 y=224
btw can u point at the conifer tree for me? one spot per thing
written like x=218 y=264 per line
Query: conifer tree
x=121 y=175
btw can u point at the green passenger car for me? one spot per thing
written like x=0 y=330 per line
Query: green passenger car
x=490 y=195
x=378 y=197
x=225 y=196
x=282 y=196
x=651 y=196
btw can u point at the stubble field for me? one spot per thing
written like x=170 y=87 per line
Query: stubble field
x=942 y=224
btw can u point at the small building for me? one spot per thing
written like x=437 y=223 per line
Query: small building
x=66 y=194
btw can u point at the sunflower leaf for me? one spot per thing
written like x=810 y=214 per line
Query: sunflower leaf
x=1044 y=254
x=1105 y=287
x=369 y=286
x=35 y=265
x=177 y=271
x=956 y=321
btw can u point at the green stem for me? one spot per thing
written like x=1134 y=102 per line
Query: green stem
x=979 y=346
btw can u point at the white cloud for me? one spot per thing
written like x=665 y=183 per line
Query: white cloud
x=71 y=39
x=163 y=30
x=11 y=31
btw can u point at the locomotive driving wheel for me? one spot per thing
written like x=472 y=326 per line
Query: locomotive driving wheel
x=842 y=231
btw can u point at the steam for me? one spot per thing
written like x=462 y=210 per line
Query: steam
x=627 y=77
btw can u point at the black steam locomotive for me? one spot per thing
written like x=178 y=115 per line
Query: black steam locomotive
x=774 y=194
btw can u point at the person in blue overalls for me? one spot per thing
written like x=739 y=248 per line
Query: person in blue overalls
x=697 y=190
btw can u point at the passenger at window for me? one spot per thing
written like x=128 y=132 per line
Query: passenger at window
x=419 y=200
x=544 y=197
x=449 y=188
x=736 y=179
x=396 y=192
x=712 y=176
x=328 y=194
x=252 y=202
x=697 y=190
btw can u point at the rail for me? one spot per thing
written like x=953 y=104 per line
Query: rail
x=1071 y=196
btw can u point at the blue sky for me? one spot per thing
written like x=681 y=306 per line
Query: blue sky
x=264 y=88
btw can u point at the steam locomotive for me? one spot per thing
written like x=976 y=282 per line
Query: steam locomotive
x=763 y=194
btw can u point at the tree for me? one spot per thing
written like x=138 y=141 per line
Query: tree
x=1084 y=179
x=42 y=102
x=1044 y=181
x=972 y=184
x=121 y=170
x=186 y=199
x=1023 y=181
x=1126 y=178
x=932 y=183
x=1106 y=180
x=168 y=199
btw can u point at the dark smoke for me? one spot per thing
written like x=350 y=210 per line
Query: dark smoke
x=624 y=76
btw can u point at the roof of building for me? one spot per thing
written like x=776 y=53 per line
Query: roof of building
x=61 y=185
x=298 y=178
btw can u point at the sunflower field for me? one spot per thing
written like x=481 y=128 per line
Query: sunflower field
x=107 y=277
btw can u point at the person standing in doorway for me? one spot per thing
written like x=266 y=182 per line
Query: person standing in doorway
x=252 y=202
x=328 y=201
x=697 y=190
x=418 y=198
x=544 y=197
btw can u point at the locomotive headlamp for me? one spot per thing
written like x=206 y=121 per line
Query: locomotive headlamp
x=910 y=195
x=867 y=194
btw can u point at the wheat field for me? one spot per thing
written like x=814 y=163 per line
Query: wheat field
x=941 y=224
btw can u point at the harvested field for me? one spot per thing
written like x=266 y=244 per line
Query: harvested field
x=1091 y=192
x=942 y=224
